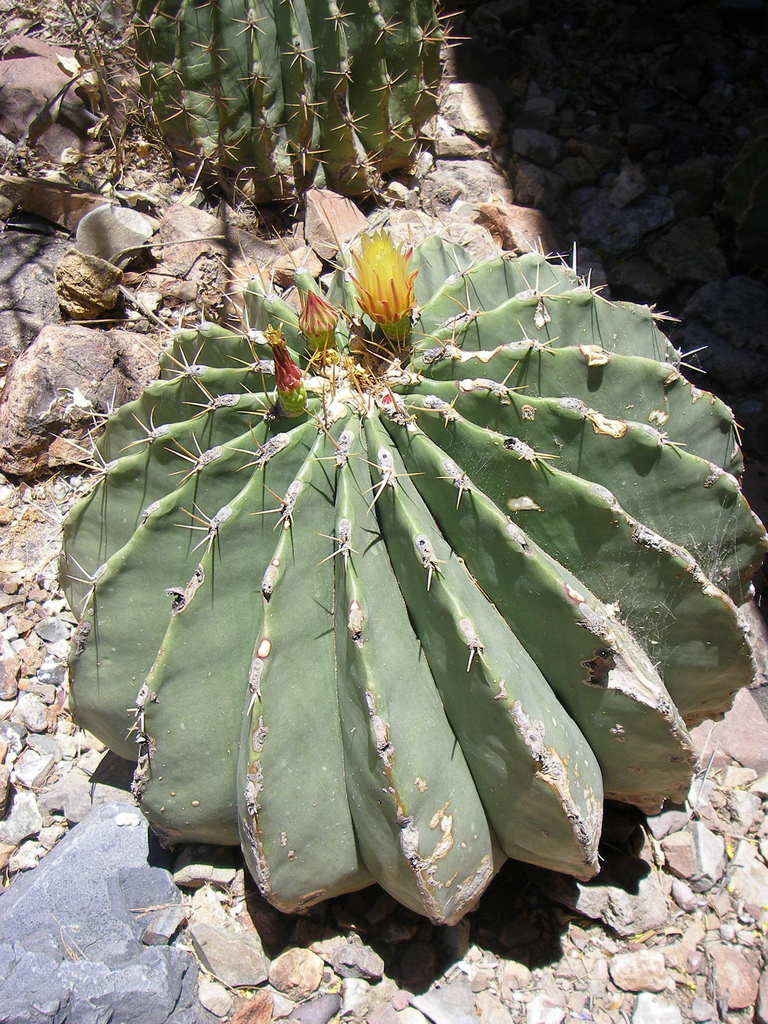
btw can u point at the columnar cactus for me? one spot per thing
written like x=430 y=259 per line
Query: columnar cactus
x=291 y=92
x=470 y=567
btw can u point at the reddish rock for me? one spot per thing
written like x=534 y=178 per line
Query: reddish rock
x=642 y=971
x=330 y=221
x=67 y=373
x=10 y=667
x=518 y=228
x=741 y=736
x=297 y=973
x=734 y=975
x=257 y=1010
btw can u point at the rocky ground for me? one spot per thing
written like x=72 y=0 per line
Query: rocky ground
x=613 y=127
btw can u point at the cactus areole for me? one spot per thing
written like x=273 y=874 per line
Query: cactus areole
x=291 y=93
x=396 y=607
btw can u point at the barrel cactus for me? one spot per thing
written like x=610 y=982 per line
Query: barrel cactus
x=289 y=93
x=412 y=578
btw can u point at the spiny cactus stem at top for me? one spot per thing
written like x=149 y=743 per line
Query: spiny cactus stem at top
x=454 y=580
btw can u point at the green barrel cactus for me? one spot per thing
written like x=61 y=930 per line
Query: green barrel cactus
x=289 y=93
x=413 y=579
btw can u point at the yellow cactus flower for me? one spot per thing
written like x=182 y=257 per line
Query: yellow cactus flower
x=385 y=285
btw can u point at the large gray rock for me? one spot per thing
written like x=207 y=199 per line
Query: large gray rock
x=70 y=934
x=614 y=231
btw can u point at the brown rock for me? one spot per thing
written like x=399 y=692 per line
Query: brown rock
x=761 y=1009
x=5 y=790
x=55 y=200
x=474 y=110
x=297 y=973
x=741 y=736
x=40 y=398
x=256 y=1010
x=473 y=181
x=642 y=971
x=518 y=228
x=86 y=285
x=330 y=221
x=6 y=852
x=10 y=667
x=734 y=976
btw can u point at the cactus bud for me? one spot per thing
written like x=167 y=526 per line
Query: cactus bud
x=317 y=321
x=384 y=285
x=291 y=392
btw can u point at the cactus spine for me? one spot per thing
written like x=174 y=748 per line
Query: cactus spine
x=480 y=577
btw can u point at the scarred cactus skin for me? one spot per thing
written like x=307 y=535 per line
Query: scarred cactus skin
x=291 y=93
x=477 y=586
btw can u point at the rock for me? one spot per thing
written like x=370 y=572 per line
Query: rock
x=672 y=818
x=40 y=103
x=163 y=925
x=744 y=808
x=330 y=221
x=761 y=1009
x=87 y=287
x=471 y=181
x=651 y=1009
x=637 y=280
x=32 y=769
x=742 y=735
x=474 y=110
x=690 y=251
x=628 y=895
x=733 y=776
x=214 y=996
x=10 y=669
x=22 y=821
x=52 y=671
x=684 y=896
x=760 y=787
x=25 y=857
x=256 y=1010
x=748 y=877
x=5 y=790
x=76 y=945
x=32 y=712
x=514 y=977
x=704 y=1012
x=297 y=973
x=416 y=966
x=736 y=980
x=618 y=232
x=67 y=374
x=491 y=1010
x=413 y=227
x=642 y=971
x=234 y=957
x=355 y=997
x=75 y=795
x=52 y=629
x=529 y=182
x=532 y=144
x=630 y=184
x=113 y=233
x=542 y=1009
x=316 y=1011
x=518 y=228
x=695 y=854
x=352 y=961
x=199 y=864
x=451 y=1004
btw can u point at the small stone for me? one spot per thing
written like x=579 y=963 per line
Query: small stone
x=214 y=996
x=32 y=769
x=543 y=1010
x=734 y=776
x=10 y=668
x=761 y=1009
x=46 y=744
x=742 y=735
x=297 y=973
x=52 y=671
x=629 y=185
x=473 y=110
x=518 y=228
x=22 y=821
x=256 y=1010
x=355 y=997
x=734 y=976
x=704 y=1012
x=236 y=958
x=760 y=787
x=744 y=808
x=748 y=877
x=351 y=961
x=672 y=818
x=86 y=285
x=330 y=220
x=642 y=971
x=25 y=858
x=652 y=1009
x=417 y=966
x=684 y=896
x=727 y=932
x=695 y=854
x=199 y=864
x=163 y=925
x=53 y=629
x=316 y=1011
x=32 y=712
x=452 y=1004
x=491 y=1010
x=5 y=789
x=536 y=145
